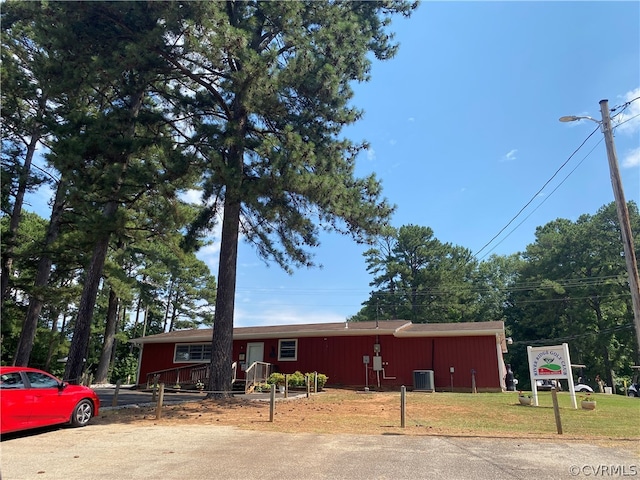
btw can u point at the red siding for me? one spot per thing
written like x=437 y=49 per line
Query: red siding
x=341 y=359
x=156 y=356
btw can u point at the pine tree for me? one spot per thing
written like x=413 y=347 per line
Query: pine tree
x=270 y=93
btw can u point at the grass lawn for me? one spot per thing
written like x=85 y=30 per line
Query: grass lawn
x=500 y=413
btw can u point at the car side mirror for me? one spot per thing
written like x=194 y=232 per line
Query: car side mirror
x=62 y=386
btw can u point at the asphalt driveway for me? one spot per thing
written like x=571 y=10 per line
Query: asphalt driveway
x=122 y=451
x=128 y=396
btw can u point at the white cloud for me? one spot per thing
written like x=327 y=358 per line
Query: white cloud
x=192 y=196
x=511 y=155
x=371 y=154
x=631 y=158
x=210 y=255
x=629 y=118
x=411 y=119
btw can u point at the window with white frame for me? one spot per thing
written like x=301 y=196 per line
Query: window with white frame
x=195 y=352
x=288 y=350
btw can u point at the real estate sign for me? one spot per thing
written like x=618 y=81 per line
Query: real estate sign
x=550 y=363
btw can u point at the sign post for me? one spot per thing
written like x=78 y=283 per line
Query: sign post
x=550 y=363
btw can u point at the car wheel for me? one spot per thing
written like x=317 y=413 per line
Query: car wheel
x=82 y=413
x=631 y=394
x=583 y=390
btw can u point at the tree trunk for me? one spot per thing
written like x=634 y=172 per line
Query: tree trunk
x=82 y=330
x=120 y=324
x=102 y=372
x=53 y=340
x=222 y=343
x=36 y=300
x=137 y=316
x=145 y=319
x=7 y=255
x=166 y=310
x=174 y=310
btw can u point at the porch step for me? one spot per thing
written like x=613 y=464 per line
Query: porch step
x=237 y=386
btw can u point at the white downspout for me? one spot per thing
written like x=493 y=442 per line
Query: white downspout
x=502 y=371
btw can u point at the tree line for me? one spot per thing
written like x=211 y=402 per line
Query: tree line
x=134 y=104
x=570 y=285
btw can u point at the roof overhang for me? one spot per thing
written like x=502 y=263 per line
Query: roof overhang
x=396 y=328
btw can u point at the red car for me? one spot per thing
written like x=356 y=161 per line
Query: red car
x=31 y=398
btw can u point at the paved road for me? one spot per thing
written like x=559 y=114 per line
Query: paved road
x=128 y=452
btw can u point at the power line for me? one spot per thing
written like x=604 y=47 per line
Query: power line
x=623 y=106
x=544 y=200
x=547 y=341
x=316 y=292
x=627 y=120
x=536 y=194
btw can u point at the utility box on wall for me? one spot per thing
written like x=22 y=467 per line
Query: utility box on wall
x=423 y=381
x=377 y=363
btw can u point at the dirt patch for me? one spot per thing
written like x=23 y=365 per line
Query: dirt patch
x=314 y=415
x=334 y=412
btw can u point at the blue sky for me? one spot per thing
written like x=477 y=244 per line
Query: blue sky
x=463 y=126
x=464 y=131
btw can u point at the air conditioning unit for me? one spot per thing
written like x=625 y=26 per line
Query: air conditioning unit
x=423 y=381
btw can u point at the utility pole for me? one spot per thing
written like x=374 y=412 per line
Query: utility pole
x=621 y=208
x=623 y=216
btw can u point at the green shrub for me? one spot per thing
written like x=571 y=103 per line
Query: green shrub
x=262 y=387
x=276 y=379
x=296 y=379
x=322 y=379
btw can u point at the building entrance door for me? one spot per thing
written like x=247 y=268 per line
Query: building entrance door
x=255 y=353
